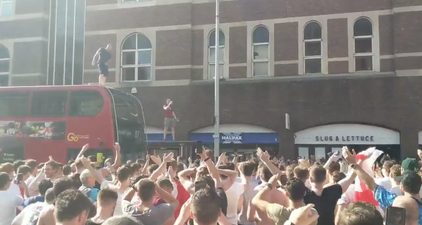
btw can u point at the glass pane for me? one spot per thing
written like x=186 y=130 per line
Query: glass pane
x=143 y=42
x=49 y=103
x=14 y=104
x=4 y=66
x=6 y=9
x=260 y=69
x=312 y=65
x=130 y=42
x=260 y=52
x=144 y=73
x=4 y=52
x=85 y=103
x=319 y=153
x=363 y=63
x=128 y=74
x=363 y=45
x=212 y=39
x=313 y=31
x=144 y=57
x=212 y=55
x=4 y=80
x=362 y=27
x=211 y=70
x=313 y=48
x=129 y=58
x=261 y=35
x=303 y=153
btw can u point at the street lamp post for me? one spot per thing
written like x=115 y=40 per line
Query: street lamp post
x=217 y=82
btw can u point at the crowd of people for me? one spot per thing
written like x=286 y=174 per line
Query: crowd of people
x=346 y=189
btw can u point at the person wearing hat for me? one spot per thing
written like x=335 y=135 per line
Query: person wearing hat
x=410 y=164
x=9 y=200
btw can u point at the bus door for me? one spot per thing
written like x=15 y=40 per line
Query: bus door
x=11 y=149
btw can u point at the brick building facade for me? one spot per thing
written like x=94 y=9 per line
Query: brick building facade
x=353 y=65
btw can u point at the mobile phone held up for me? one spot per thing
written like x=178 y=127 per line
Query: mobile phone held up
x=395 y=216
x=19 y=177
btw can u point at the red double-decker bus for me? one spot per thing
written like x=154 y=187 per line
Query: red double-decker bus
x=42 y=121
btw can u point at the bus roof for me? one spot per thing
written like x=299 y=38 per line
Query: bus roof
x=55 y=87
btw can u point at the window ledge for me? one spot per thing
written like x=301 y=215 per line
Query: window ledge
x=307 y=77
x=141 y=3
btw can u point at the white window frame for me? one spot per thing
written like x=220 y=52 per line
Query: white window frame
x=7 y=59
x=136 y=65
x=267 y=60
x=320 y=57
x=6 y=2
x=134 y=1
x=365 y=53
x=211 y=60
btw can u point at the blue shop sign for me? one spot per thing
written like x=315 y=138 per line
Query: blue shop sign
x=237 y=138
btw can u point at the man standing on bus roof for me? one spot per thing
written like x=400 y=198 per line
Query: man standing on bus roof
x=101 y=58
x=169 y=119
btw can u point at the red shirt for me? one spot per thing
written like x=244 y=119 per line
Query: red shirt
x=168 y=113
x=182 y=196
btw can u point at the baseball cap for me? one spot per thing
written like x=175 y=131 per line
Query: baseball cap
x=410 y=164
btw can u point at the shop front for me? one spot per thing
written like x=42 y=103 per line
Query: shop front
x=156 y=134
x=242 y=139
x=319 y=141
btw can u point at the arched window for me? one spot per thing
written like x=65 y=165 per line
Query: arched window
x=211 y=54
x=261 y=51
x=313 y=48
x=6 y=7
x=4 y=66
x=362 y=35
x=136 y=58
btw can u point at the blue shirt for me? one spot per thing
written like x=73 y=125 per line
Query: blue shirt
x=386 y=199
x=90 y=192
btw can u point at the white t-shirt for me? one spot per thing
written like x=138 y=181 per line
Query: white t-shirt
x=8 y=205
x=396 y=190
x=385 y=182
x=233 y=194
x=14 y=188
x=29 y=180
x=118 y=210
x=30 y=214
x=347 y=197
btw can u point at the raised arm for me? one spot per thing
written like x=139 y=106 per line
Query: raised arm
x=83 y=150
x=265 y=158
x=96 y=57
x=117 y=160
x=231 y=174
x=211 y=168
x=87 y=165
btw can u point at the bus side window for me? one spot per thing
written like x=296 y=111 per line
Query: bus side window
x=85 y=103
x=14 y=104
x=49 y=103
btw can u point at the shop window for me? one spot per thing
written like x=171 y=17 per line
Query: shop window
x=312 y=46
x=211 y=54
x=261 y=51
x=363 y=41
